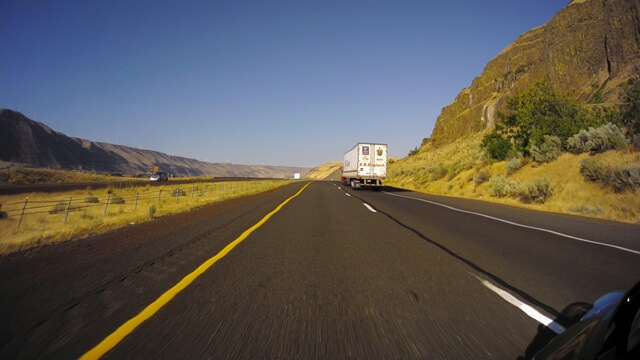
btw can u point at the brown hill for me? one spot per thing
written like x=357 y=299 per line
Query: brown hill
x=326 y=171
x=25 y=141
x=590 y=47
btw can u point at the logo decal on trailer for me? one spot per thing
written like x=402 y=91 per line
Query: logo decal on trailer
x=379 y=151
x=365 y=150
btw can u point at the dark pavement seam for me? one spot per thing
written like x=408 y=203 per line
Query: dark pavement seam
x=549 y=309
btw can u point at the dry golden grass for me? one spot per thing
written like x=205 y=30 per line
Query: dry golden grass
x=42 y=224
x=461 y=161
x=323 y=171
x=48 y=176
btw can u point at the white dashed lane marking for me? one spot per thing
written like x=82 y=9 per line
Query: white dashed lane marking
x=369 y=207
x=527 y=309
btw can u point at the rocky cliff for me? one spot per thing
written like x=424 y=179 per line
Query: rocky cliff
x=24 y=141
x=590 y=48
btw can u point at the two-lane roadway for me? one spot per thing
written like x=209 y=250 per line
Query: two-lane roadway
x=321 y=271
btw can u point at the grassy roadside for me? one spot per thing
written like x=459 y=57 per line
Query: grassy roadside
x=92 y=212
x=461 y=169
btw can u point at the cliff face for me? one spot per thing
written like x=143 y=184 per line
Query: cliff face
x=25 y=141
x=589 y=47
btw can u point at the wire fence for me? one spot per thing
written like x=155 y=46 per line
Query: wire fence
x=130 y=200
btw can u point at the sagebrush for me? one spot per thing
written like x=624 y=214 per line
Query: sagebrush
x=513 y=166
x=597 y=140
x=625 y=178
x=500 y=186
x=537 y=191
x=481 y=177
x=548 y=150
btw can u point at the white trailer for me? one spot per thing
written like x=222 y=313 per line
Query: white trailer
x=365 y=166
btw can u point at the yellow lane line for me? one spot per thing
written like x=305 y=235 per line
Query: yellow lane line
x=127 y=328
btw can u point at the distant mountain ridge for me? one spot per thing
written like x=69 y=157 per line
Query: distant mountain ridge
x=29 y=142
x=590 y=47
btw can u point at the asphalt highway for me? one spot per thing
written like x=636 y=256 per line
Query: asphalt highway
x=333 y=273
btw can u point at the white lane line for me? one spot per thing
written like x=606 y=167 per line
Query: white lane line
x=339 y=188
x=346 y=193
x=527 y=309
x=369 y=207
x=520 y=225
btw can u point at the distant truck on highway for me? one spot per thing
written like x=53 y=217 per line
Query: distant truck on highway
x=365 y=166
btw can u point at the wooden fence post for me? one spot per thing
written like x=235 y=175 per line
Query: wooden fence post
x=23 y=208
x=68 y=207
x=107 y=205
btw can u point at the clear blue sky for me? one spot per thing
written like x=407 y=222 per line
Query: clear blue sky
x=251 y=82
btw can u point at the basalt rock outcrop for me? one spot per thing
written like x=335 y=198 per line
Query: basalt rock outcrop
x=589 y=48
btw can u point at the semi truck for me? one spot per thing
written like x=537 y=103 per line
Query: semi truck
x=365 y=166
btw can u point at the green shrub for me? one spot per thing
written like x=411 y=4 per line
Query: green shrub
x=606 y=137
x=152 y=210
x=548 y=150
x=630 y=114
x=481 y=177
x=91 y=199
x=413 y=152
x=540 y=111
x=496 y=146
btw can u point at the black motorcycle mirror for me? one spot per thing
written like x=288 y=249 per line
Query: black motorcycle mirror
x=610 y=330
